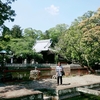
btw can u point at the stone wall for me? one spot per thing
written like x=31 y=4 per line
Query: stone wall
x=23 y=73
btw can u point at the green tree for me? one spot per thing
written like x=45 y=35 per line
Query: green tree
x=92 y=39
x=16 y=31
x=55 y=32
x=6 y=13
x=29 y=32
x=6 y=33
x=81 y=41
x=22 y=48
x=69 y=45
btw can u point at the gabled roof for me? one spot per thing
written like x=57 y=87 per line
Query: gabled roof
x=42 y=45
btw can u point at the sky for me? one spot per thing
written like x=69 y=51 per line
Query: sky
x=45 y=14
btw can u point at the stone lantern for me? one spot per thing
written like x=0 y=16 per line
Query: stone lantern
x=34 y=74
x=3 y=52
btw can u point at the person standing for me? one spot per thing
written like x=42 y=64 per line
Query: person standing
x=59 y=70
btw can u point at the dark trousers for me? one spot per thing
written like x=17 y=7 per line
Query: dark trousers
x=59 y=80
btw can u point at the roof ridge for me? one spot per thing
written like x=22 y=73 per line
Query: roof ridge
x=43 y=40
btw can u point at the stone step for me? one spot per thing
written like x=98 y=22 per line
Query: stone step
x=89 y=91
x=19 y=94
x=47 y=98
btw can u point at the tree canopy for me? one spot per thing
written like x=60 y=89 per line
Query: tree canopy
x=6 y=13
x=79 y=42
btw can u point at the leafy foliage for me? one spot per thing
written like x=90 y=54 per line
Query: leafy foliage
x=81 y=41
x=6 y=13
x=16 y=31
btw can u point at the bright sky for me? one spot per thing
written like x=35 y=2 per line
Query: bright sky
x=45 y=14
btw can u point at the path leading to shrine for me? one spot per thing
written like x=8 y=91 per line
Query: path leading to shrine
x=24 y=88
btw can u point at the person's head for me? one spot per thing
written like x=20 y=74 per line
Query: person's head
x=59 y=63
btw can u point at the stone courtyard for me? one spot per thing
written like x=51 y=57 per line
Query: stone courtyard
x=22 y=88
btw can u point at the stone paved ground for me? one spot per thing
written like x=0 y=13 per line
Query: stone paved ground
x=79 y=81
x=50 y=83
x=67 y=82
